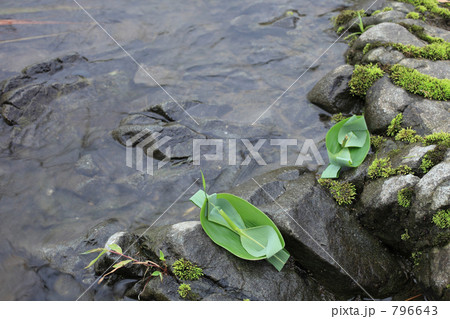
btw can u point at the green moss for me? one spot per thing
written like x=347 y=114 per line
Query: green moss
x=419 y=32
x=434 y=51
x=441 y=239
x=385 y=9
x=376 y=12
x=363 y=78
x=346 y=16
x=185 y=270
x=366 y=48
x=442 y=219
x=340 y=30
x=377 y=141
x=343 y=192
x=421 y=9
x=404 y=197
x=405 y=236
x=430 y=5
x=408 y=135
x=440 y=138
x=402 y=170
x=184 y=290
x=382 y=168
x=413 y=15
x=338 y=117
x=433 y=158
x=396 y=125
x=416 y=257
x=421 y=84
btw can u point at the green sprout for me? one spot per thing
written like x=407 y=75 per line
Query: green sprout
x=405 y=236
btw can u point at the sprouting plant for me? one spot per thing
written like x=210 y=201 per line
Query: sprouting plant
x=366 y=49
x=408 y=135
x=426 y=164
x=404 y=197
x=186 y=270
x=362 y=29
x=442 y=218
x=405 y=236
x=343 y=192
x=184 y=290
x=159 y=270
x=396 y=125
x=348 y=143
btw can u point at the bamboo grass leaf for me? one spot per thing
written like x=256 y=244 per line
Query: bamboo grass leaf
x=348 y=143
x=261 y=241
x=116 y=248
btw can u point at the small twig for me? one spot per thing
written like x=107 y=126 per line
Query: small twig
x=409 y=299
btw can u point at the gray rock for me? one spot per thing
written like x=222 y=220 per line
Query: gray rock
x=384 y=100
x=387 y=32
x=437 y=69
x=433 y=190
x=426 y=116
x=412 y=156
x=383 y=56
x=429 y=29
x=226 y=277
x=172 y=111
x=380 y=195
x=323 y=236
x=388 y=16
x=434 y=271
x=332 y=92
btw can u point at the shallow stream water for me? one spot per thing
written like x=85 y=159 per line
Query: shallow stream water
x=236 y=57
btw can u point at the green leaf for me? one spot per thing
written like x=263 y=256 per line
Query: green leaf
x=261 y=241
x=116 y=248
x=215 y=204
x=95 y=260
x=348 y=143
x=122 y=263
x=279 y=259
x=198 y=198
x=203 y=181
x=332 y=171
x=156 y=273
x=161 y=256
x=92 y=251
x=252 y=217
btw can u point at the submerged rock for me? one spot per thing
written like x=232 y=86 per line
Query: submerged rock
x=325 y=238
x=333 y=94
x=226 y=277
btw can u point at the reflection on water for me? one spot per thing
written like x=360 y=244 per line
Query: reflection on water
x=235 y=57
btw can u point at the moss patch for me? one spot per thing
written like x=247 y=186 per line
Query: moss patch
x=346 y=16
x=433 y=158
x=185 y=270
x=338 y=117
x=430 y=5
x=377 y=141
x=413 y=15
x=440 y=138
x=442 y=219
x=395 y=126
x=363 y=78
x=382 y=167
x=184 y=290
x=343 y=192
x=404 y=197
x=421 y=84
x=408 y=135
